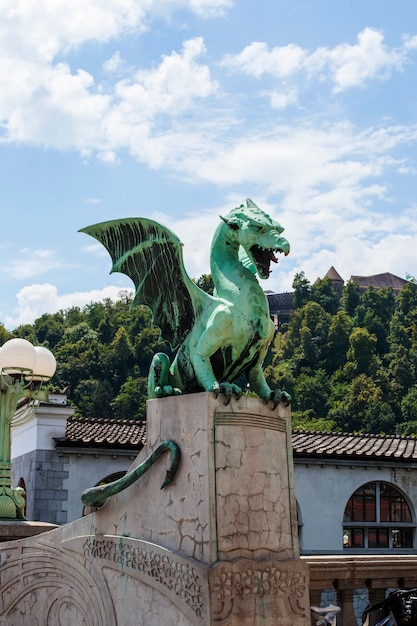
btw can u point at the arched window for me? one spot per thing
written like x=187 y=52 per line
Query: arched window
x=104 y=481
x=377 y=516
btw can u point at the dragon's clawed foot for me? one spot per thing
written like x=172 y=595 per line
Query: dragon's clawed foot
x=277 y=396
x=228 y=390
x=166 y=390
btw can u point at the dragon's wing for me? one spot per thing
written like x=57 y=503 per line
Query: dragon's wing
x=151 y=255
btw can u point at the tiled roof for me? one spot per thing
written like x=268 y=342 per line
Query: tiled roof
x=349 y=446
x=380 y=280
x=131 y=434
x=102 y=432
x=334 y=275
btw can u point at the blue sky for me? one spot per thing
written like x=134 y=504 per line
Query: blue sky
x=179 y=110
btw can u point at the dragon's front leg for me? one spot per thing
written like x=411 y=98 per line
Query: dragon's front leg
x=159 y=378
x=212 y=340
x=207 y=379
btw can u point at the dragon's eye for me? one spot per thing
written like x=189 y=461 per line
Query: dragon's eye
x=256 y=229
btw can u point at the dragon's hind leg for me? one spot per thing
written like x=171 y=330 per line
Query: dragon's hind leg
x=160 y=379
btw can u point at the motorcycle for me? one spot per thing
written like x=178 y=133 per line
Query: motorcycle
x=326 y=615
x=398 y=609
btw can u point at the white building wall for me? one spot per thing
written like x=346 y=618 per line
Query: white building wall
x=55 y=477
x=323 y=490
x=38 y=429
x=322 y=487
x=87 y=468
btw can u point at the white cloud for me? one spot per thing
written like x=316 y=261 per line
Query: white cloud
x=306 y=158
x=51 y=106
x=345 y=65
x=94 y=201
x=175 y=114
x=113 y=64
x=40 y=30
x=170 y=115
x=31 y=263
x=96 y=248
x=281 y=100
x=37 y=299
x=210 y=8
x=351 y=66
x=170 y=88
x=256 y=60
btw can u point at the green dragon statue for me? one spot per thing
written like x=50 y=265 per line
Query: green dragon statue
x=218 y=337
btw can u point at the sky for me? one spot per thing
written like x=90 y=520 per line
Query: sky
x=179 y=110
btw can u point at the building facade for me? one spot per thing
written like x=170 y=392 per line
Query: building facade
x=355 y=494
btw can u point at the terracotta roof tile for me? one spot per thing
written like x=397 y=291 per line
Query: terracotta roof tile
x=102 y=432
x=401 y=447
x=410 y=450
x=350 y=446
x=128 y=434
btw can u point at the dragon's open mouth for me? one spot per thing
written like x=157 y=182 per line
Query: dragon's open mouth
x=263 y=258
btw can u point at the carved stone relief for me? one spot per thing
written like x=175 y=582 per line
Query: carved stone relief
x=164 y=570
x=43 y=586
x=271 y=591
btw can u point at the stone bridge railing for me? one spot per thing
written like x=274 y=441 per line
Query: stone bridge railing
x=344 y=574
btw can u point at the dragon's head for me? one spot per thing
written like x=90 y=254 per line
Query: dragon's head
x=259 y=236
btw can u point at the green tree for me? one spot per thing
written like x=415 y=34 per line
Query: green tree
x=121 y=354
x=350 y=414
x=305 y=421
x=281 y=376
x=401 y=372
x=49 y=329
x=380 y=301
x=351 y=297
x=313 y=334
x=407 y=300
x=73 y=316
x=379 y=418
x=147 y=343
x=302 y=290
x=105 y=330
x=95 y=312
x=130 y=402
x=409 y=406
x=361 y=358
x=4 y=335
x=26 y=331
x=93 y=398
x=341 y=326
x=323 y=293
x=205 y=282
x=311 y=393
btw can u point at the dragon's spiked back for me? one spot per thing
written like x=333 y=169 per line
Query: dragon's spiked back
x=151 y=255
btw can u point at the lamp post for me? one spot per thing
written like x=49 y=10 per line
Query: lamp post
x=23 y=370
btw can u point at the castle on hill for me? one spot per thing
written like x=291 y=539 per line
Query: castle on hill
x=281 y=304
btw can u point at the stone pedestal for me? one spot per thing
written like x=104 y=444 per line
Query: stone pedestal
x=216 y=547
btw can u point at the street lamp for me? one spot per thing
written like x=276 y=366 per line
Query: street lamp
x=23 y=370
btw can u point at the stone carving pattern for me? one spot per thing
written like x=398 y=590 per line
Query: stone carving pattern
x=180 y=578
x=52 y=589
x=228 y=585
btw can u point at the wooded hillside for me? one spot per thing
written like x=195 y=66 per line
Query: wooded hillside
x=349 y=365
